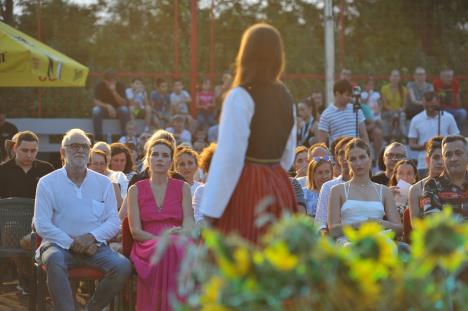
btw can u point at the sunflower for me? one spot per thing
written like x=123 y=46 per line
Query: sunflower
x=440 y=240
x=373 y=256
x=279 y=256
x=373 y=249
x=211 y=293
x=239 y=266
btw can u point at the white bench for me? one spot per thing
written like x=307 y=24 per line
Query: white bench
x=50 y=131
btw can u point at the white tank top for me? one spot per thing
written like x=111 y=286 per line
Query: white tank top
x=356 y=210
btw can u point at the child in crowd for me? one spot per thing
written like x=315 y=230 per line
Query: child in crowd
x=131 y=137
x=200 y=141
x=160 y=104
x=138 y=101
x=180 y=99
x=205 y=104
x=178 y=130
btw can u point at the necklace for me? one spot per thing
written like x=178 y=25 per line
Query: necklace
x=362 y=185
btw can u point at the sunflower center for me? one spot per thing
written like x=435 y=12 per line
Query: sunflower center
x=367 y=248
x=442 y=240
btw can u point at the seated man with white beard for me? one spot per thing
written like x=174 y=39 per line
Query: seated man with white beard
x=76 y=214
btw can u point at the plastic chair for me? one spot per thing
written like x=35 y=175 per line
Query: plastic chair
x=15 y=222
x=407 y=228
x=74 y=274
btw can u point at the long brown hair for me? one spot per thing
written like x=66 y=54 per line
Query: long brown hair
x=153 y=143
x=357 y=143
x=260 y=57
x=117 y=148
x=313 y=165
x=393 y=180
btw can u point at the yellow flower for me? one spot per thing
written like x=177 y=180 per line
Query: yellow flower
x=240 y=265
x=279 y=256
x=227 y=267
x=258 y=258
x=374 y=251
x=211 y=239
x=211 y=290
x=214 y=307
x=241 y=257
x=439 y=240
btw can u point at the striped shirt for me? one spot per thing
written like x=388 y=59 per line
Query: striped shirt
x=339 y=122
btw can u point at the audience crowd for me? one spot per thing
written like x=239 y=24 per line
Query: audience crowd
x=409 y=159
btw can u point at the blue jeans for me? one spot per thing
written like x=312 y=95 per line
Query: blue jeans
x=459 y=114
x=98 y=113
x=57 y=260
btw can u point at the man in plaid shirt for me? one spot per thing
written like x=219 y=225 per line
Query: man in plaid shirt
x=451 y=187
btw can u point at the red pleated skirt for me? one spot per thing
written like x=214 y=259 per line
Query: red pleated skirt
x=259 y=185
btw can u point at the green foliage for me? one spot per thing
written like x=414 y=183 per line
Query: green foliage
x=136 y=37
x=294 y=268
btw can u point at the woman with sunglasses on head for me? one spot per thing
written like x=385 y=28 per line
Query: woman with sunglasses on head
x=320 y=170
x=360 y=200
x=257 y=137
x=317 y=151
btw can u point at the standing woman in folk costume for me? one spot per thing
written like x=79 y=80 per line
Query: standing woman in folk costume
x=257 y=138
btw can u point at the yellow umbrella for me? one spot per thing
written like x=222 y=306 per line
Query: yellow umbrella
x=26 y=62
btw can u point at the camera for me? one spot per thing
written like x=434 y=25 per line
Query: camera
x=357 y=91
x=357 y=97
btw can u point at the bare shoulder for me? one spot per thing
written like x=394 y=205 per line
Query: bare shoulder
x=415 y=188
x=337 y=189
x=133 y=189
x=186 y=186
x=385 y=190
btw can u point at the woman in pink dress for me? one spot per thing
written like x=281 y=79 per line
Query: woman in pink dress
x=155 y=205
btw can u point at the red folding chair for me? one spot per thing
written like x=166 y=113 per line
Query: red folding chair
x=74 y=274
x=127 y=243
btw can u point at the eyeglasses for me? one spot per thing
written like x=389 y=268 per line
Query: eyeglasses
x=78 y=147
x=395 y=156
x=325 y=158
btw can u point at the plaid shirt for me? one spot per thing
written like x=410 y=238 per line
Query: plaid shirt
x=440 y=191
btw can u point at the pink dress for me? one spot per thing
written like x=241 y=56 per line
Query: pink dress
x=157 y=283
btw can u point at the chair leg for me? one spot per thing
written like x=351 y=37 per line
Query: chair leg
x=132 y=298
x=41 y=290
x=111 y=305
x=33 y=293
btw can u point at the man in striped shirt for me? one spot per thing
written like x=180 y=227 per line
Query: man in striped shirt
x=339 y=119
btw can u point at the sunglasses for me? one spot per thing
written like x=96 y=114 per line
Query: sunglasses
x=325 y=158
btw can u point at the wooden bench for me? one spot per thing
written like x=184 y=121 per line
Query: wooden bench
x=51 y=131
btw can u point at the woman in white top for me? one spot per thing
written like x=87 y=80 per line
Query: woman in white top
x=98 y=163
x=360 y=200
x=186 y=164
x=115 y=176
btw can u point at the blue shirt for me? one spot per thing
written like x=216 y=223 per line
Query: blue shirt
x=161 y=102
x=311 y=199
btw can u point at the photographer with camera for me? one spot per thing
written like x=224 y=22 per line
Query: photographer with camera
x=427 y=124
x=339 y=119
